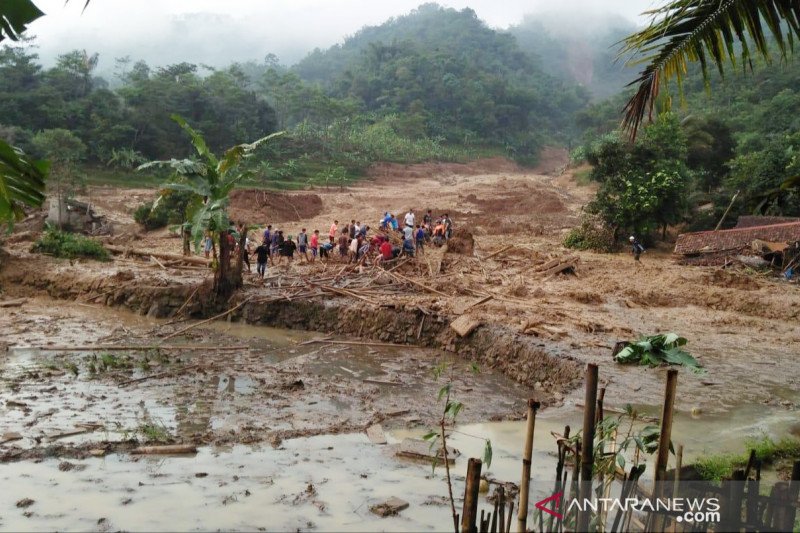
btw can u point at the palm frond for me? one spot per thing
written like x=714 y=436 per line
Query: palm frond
x=235 y=154
x=182 y=167
x=704 y=31
x=15 y=15
x=197 y=140
x=22 y=182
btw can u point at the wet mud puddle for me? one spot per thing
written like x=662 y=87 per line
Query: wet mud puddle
x=306 y=478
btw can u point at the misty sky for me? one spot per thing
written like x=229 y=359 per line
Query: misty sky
x=216 y=32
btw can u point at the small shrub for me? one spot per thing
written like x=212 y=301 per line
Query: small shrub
x=590 y=235
x=718 y=467
x=170 y=210
x=69 y=245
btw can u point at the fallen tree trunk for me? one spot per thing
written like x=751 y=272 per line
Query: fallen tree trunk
x=166 y=257
x=13 y=303
x=168 y=449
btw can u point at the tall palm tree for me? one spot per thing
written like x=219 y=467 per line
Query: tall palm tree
x=211 y=180
x=713 y=32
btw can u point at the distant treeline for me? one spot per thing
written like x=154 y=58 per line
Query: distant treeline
x=435 y=84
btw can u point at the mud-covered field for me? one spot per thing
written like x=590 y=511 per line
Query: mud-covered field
x=243 y=383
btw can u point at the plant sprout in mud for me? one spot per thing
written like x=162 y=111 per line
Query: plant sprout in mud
x=450 y=411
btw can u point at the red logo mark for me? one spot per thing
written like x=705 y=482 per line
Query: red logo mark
x=554 y=498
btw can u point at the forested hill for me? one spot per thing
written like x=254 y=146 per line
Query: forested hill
x=447 y=75
x=435 y=84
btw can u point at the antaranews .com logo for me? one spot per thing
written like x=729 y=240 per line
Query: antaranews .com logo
x=689 y=510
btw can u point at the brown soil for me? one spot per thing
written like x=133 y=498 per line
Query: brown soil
x=743 y=329
x=251 y=205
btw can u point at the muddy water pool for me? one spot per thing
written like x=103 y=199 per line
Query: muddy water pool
x=324 y=482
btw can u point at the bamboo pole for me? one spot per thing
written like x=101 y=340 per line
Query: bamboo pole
x=229 y=311
x=524 y=486
x=678 y=466
x=169 y=449
x=662 y=457
x=501 y=509
x=664 y=436
x=131 y=348
x=587 y=446
x=794 y=492
x=418 y=284
x=498 y=252
x=470 y=513
x=725 y=214
x=201 y=261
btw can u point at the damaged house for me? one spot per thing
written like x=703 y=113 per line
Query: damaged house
x=755 y=241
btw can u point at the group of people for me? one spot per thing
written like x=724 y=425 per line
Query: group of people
x=348 y=243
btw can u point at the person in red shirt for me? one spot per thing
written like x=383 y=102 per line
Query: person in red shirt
x=314 y=245
x=386 y=251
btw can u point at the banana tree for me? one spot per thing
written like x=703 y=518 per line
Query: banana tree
x=22 y=181
x=21 y=178
x=210 y=180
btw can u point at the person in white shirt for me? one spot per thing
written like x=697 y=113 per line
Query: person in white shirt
x=409 y=218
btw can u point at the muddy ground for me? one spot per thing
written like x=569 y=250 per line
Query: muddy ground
x=246 y=385
x=742 y=327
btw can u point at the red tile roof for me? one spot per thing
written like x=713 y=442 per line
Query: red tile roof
x=733 y=239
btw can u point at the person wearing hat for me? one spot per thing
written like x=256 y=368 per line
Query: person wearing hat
x=637 y=248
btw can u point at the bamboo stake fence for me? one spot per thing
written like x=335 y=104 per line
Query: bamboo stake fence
x=742 y=506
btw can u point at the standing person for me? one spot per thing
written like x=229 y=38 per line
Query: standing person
x=334 y=228
x=419 y=237
x=231 y=243
x=351 y=229
x=287 y=249
x=386 y=221
x=353 y=250
x=246 y=251
x=427 y=220
x=363 y=231
x=636 y=248
x=267 y=235
x=344 y=245
x=208 y=244
x=262 y=254
x=273 y=246
x=302 y=244
x=314 y=245
x=363 y=247
x=408 y=232
x=438 y=233
x=409 y=219
x=448 y=227
x=393 y=223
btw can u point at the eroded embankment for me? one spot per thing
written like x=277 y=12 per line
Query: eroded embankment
x=524 y=359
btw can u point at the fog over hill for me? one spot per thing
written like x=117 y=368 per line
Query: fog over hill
x=216 y=33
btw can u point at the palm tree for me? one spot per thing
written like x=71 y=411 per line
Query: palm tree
x=704 y=31
x=211 y=180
